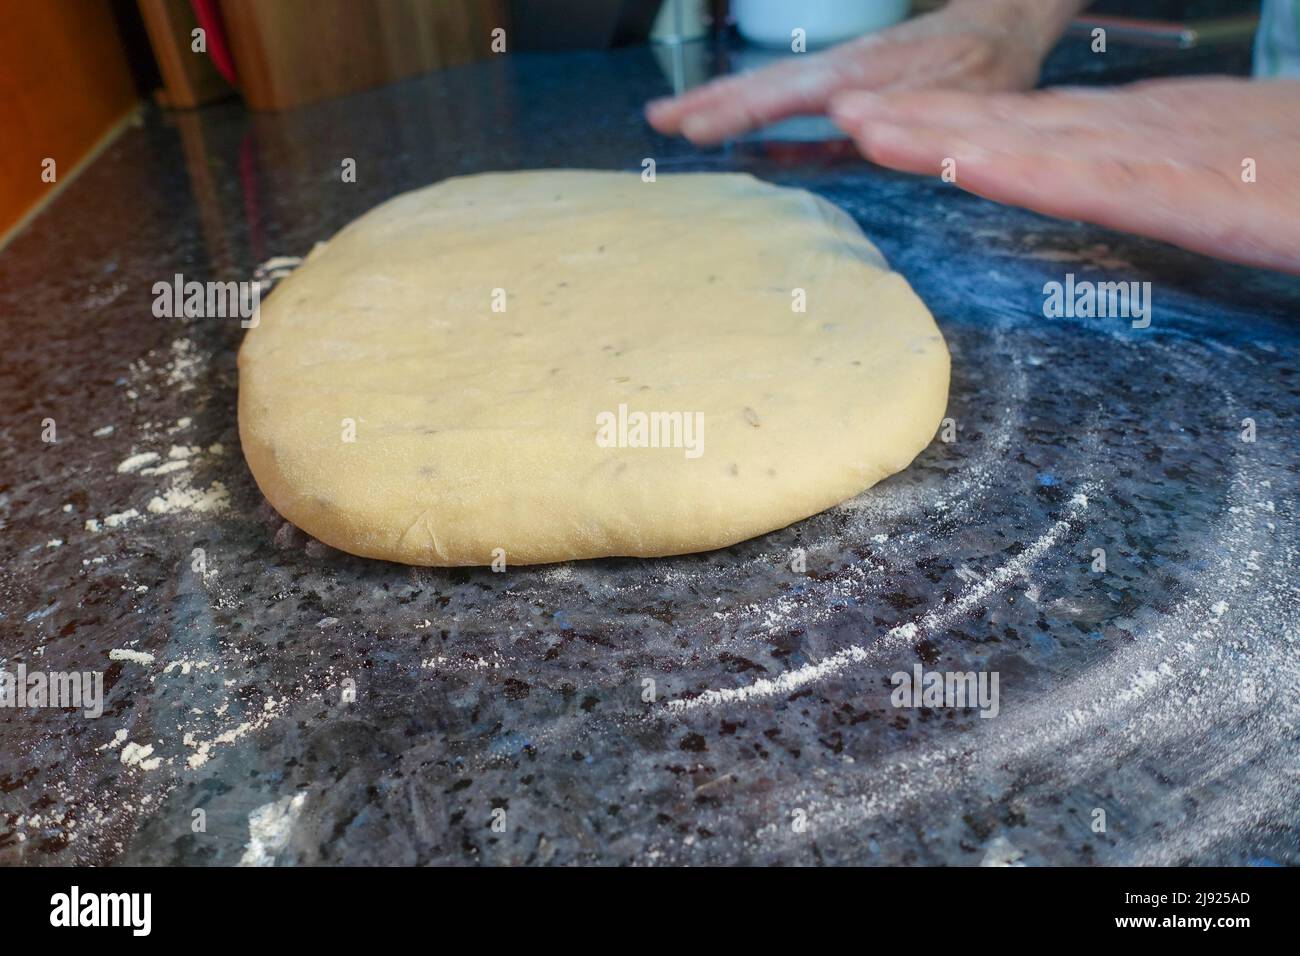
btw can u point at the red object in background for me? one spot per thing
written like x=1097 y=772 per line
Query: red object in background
x=208 y=13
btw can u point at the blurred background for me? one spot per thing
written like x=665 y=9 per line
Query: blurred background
x=76 y=71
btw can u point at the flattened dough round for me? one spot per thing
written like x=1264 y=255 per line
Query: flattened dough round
x=478 y=429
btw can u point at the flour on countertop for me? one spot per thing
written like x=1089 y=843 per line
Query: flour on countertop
x=269 y=829
x=135 y=657
x=186 y=498
x=135 y=462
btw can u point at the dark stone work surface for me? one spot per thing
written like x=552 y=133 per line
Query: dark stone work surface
x=1162 y=692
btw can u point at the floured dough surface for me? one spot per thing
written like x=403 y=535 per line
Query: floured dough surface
x=473 y=430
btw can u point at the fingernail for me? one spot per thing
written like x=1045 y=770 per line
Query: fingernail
x=696 y=127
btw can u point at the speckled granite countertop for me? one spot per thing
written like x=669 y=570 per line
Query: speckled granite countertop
x=1162 y=691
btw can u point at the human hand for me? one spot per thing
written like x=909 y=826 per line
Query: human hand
x=1160 y=158
x=980 y=45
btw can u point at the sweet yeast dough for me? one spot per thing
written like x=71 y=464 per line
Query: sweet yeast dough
x=476 y=430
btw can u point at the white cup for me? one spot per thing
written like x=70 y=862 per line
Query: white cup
x=824 y=22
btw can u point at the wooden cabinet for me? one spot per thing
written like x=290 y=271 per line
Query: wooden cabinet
x=65 y=88
x=290 y=52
